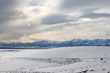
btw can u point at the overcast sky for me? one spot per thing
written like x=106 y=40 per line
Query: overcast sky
x=61 y=20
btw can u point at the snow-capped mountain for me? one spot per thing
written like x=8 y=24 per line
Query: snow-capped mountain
x=47 y=43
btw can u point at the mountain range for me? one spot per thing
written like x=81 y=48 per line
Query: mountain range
x=48 y=43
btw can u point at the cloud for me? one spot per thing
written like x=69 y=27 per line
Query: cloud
x=82 y=4
x=55 y=19
x=8 y=10
x=95 y=15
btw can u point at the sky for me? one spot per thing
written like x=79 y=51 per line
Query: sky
x=59 y=20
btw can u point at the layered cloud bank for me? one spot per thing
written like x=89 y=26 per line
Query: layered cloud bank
x=61 y=20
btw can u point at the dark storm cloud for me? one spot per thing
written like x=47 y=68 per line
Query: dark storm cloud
x=8 y=4
x=8 y=10
x=80 y=4
x=10 y=15
x=95 y=15
x=55 y=18
x=90 y=10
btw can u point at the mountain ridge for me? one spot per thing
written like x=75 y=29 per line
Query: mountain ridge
x=47 y=43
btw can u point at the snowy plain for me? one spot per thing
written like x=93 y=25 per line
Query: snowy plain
x=56 y=60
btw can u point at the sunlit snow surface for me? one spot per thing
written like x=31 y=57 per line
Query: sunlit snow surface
x=56 y=60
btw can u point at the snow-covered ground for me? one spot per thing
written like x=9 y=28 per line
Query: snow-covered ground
x=56 y=60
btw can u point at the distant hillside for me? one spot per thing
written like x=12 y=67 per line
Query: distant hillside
x=47 y=43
